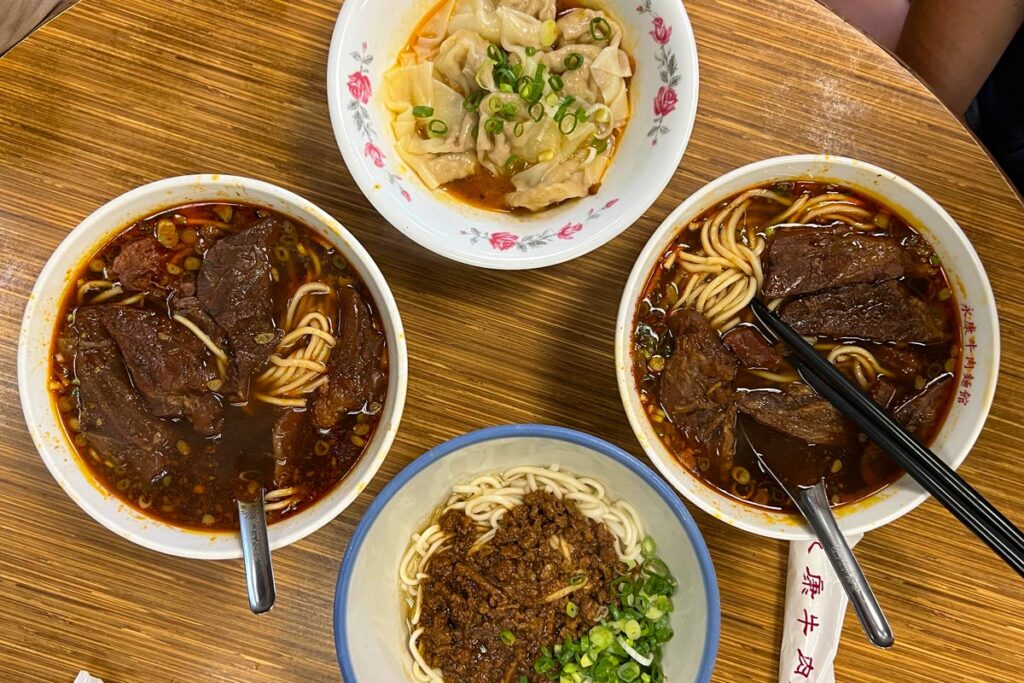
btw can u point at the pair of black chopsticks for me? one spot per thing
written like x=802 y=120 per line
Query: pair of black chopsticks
x=937 y=478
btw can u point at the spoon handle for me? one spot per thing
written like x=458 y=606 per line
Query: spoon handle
x=813 y=503
x=259 y=572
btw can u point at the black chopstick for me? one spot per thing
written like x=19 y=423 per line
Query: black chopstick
x=934 y=475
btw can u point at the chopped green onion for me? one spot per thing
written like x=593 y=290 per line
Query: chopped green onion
x=508 y=637
x=472 y=103
x=536 y=111
x=548 y=33
x=495 y=54
x=577 y=579
x=573 y=61
x=571 y=610
x=563 y=107
x=581 y=115
x=538 y=78
x=423 y=112
x=526 y=89
x=599 y=145
x=437 y=128
x=505 y=87
x=600 y=29
x=494 y=125
x=494 y=105
x=518 y=129
x=556 y=82
x=647 y=547
x=531 y=51
x=508 y=111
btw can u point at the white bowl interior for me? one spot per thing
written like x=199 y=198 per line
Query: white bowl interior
x=972 y=290
x=461 y=232
x=40 y=320
x=374 y=622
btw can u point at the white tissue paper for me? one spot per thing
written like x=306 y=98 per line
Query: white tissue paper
x=814 y=613
x=84 y=677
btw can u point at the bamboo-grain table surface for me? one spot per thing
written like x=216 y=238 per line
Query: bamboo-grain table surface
x=113 y=94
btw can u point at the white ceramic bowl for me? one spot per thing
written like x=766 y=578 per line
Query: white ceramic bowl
x=367 y=39
x=369 y=622
x=971 y=289
x=40 y=320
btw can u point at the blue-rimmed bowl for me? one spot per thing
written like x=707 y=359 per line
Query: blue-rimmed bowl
x=369 y=620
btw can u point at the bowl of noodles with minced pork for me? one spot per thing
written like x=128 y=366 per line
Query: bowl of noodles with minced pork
x=526 y=553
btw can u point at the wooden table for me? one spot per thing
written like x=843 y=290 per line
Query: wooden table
x=114 y=94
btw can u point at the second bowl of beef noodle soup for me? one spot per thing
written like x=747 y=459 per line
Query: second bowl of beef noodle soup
x=847 y=272
x=214 y=348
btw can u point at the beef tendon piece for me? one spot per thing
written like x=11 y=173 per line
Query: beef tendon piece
x=355 y=377
x=806 y=260
x=697 y=383
x=168 y=364
x=234 y=287
x=114 y=418
x=754 y=351
x=886 y=312
x=798 y=411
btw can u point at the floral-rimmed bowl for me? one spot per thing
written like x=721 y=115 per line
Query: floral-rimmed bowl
x=663 y=92
x=979 y=326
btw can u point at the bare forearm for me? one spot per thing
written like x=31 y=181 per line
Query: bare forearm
x=954 y=44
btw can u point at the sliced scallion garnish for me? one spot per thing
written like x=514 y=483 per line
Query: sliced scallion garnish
x=573 y=61
x=422 y=112
x=556 y=82
x=437 y=128
x=600 y=29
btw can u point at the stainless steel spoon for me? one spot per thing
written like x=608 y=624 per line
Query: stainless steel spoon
x=259 y=571
x=812 y=502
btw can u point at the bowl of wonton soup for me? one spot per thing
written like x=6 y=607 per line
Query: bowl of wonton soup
x=509 y=133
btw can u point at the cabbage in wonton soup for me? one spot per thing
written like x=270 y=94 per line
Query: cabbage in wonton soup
x=511 y=104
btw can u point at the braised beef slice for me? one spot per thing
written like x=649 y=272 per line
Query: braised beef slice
x=806 y=260
x=292 y=438
x=884 y=312
x=904 y=361
x=798 y=411
x=168 y=364
x=696 y=384
x=234 y=287
x=114 y=418
x=883 y=391
x=138 y=263
x=752 y=348
x=919 y=414
x=354 y=375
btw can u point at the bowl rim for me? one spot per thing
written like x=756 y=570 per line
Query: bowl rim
x=406 y=221
x=638 y=276
x=319 y=514
x=708 y=576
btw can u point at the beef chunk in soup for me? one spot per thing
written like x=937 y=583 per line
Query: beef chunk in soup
x=355 y=378
x=884 y=312
x=168 y=364
x=696 y=385
x=883 y=392
x=138 y=263
x=752 y=348
x=921 y=412
x=114 y=418
x=906 y=362
x=292 y=438
x=798 y=411
x=806 y=260
x=234 y=287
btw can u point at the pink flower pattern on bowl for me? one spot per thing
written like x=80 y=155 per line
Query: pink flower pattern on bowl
x=361 y=90
x=504 y=241
x=668 y=71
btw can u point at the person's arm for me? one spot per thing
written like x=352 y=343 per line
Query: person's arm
x=953 y=45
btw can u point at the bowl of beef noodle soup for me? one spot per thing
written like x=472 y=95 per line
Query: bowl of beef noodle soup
x=875 y=274
x=506 y=133
x=199 y=338
x=526 y=552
